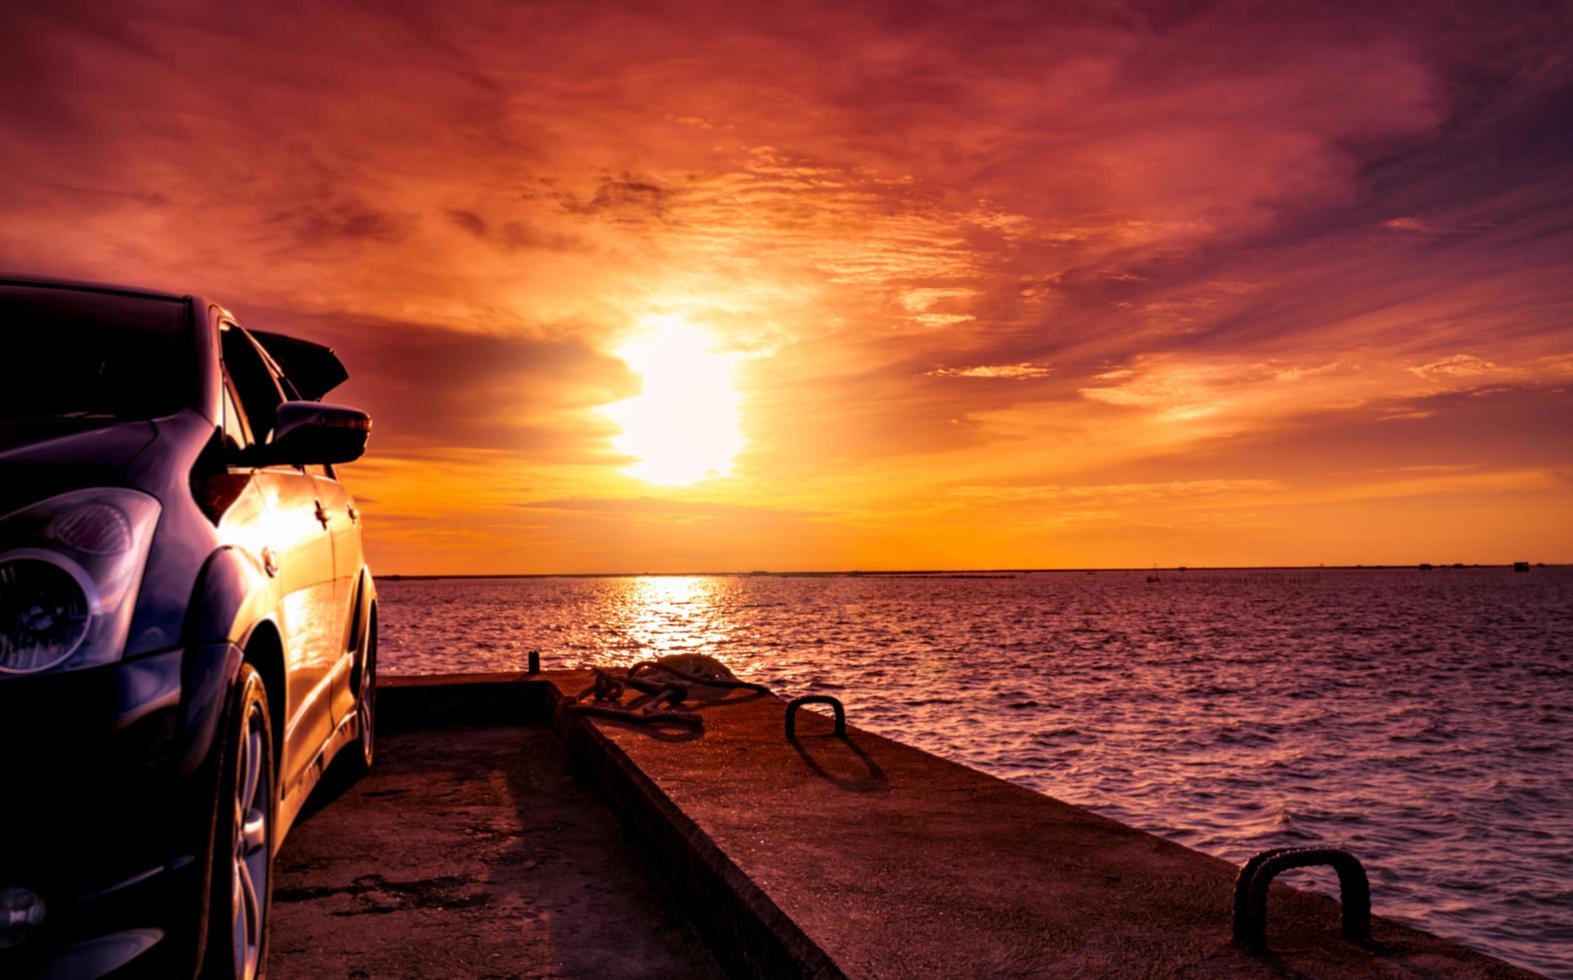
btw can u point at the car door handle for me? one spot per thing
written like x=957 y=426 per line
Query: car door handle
x=354 y=513
x=322 y=515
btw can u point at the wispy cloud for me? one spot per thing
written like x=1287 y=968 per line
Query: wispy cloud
x=1024 y=371
x=1119 y=492
x=1457 y=366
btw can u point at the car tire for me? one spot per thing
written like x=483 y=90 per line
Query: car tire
x=241 y=888
x=364 y=752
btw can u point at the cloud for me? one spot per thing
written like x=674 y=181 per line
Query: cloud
x=1319 y=234
x=431 y=389
x=1410 y=224
x=310 y=223
x=1456 y=366
x=658 y=507
x=1120 y=493
x=1023 y=371
x=469 y=221
x=627 y=199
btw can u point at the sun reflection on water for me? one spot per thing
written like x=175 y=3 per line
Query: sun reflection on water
x=658 y=615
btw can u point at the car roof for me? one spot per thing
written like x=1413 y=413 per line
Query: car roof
x=48 y=282
x=315 y=369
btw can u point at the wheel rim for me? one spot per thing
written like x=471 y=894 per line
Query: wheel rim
x=249 y=866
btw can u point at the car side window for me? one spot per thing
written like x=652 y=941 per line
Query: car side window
x=236 y=437
x=258 y=392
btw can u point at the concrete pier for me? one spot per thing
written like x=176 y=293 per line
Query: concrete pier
x=472 y=851
x=855 y=856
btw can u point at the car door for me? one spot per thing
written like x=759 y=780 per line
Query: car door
x=344 y=528
x=299 y=555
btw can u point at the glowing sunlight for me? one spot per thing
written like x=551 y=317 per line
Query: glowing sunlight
x=672 y=614
x=683 y=426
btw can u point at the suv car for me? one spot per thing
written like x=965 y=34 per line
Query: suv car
x=188 y=629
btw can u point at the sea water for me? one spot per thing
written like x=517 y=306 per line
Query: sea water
x=1421 y=719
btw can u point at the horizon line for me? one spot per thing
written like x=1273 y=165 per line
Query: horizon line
x=978 y=572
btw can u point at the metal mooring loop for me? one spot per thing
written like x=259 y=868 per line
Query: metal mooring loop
x=796 y=703
x=1250 y=892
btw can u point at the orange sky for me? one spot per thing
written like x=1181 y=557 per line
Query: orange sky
x=831 y=285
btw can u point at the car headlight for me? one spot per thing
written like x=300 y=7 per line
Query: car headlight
x=69 y=571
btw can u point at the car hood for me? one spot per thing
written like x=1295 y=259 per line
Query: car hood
x=40 y=458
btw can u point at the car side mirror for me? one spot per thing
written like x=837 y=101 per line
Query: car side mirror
x=308 y=433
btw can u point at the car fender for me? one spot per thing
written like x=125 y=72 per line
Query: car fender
x=369 y=584
x=230 y=601
x=231 y=597
x=368 y=598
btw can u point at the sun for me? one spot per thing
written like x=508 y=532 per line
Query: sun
x=685 y=425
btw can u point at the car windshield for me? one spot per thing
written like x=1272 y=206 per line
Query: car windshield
x=75 y=355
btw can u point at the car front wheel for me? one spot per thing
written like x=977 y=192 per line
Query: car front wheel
x=237 y=946
x=365 y=751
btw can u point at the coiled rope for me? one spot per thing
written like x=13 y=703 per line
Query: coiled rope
x=660 y=699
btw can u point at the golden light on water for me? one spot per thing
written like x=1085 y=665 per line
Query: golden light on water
x=660 y=615
x=684 y=426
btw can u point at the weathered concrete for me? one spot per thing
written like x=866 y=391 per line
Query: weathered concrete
x=868 y=858
x=472 y=852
